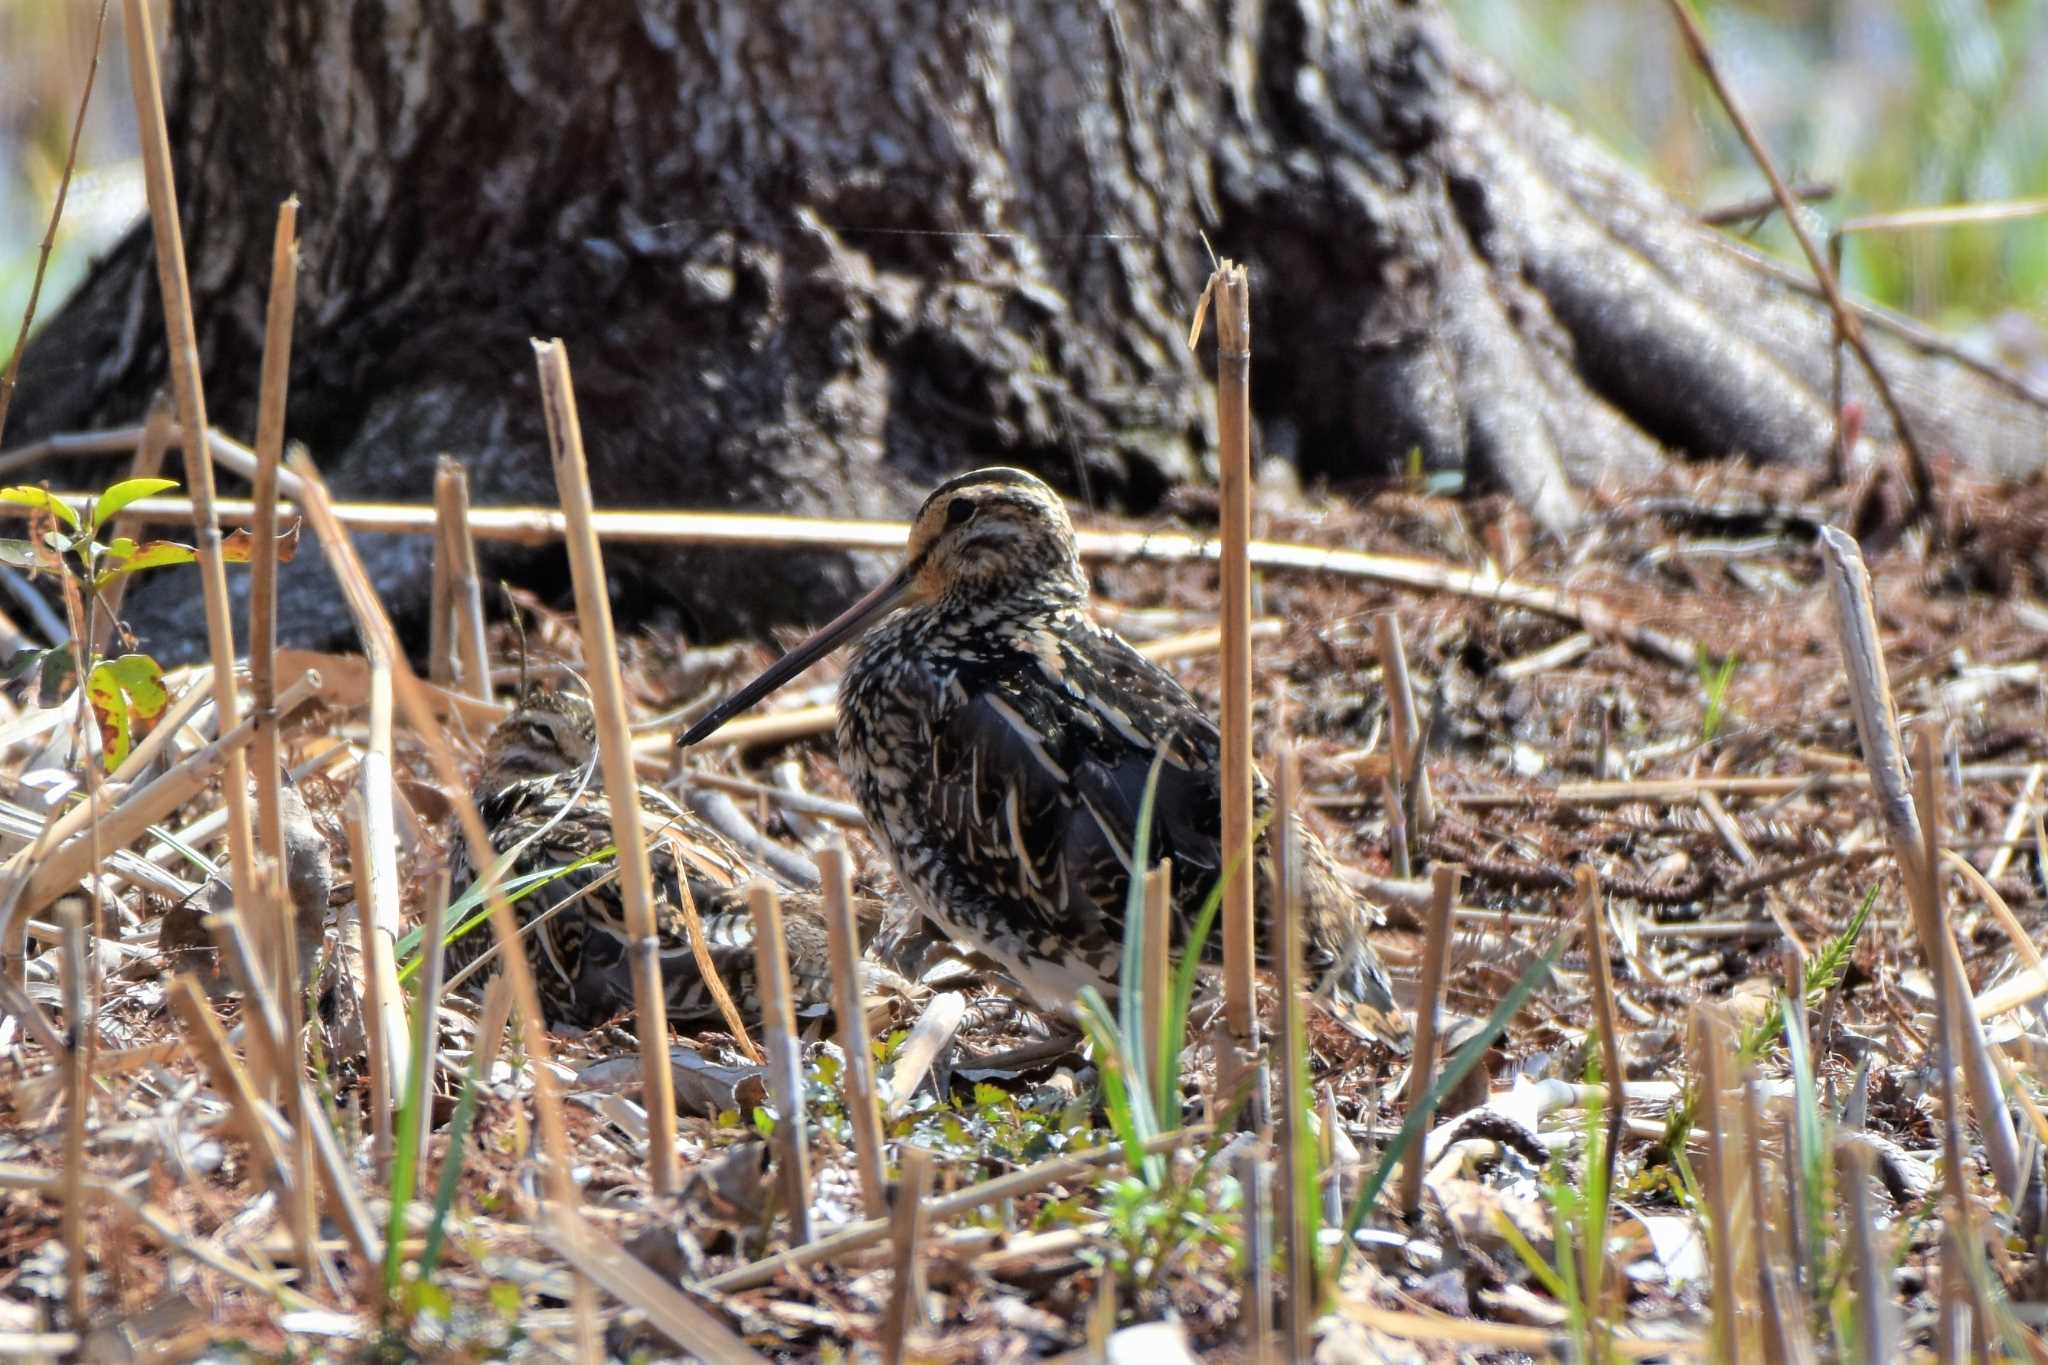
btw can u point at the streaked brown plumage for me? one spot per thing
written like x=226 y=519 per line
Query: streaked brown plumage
x=999 y=742
x=541 y=799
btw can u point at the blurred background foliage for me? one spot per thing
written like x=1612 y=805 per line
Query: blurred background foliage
x=1899 y=103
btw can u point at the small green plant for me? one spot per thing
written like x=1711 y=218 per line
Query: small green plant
x=126 y=692
x=1714 y=680
x=1153 y=1215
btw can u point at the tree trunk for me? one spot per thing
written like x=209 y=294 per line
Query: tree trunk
x=813 y=258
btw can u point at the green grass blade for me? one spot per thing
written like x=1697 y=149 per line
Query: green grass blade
x=451 y=1173
x=1132 y=1007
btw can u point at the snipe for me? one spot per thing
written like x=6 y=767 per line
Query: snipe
x=999 y=742
x=541 y=800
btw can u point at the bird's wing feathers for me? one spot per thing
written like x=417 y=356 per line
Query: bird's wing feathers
x=1040 y=754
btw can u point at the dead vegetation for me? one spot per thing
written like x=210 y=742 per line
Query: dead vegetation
x=1725 y=1044
x=1720 y=815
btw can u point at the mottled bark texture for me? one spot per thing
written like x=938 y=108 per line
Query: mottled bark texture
x=811 y=257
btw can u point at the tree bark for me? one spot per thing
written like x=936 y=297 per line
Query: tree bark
x=813 y=258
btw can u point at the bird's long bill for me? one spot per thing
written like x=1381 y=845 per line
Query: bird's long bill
x=845 y=626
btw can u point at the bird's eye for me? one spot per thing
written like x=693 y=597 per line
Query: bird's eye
x=960 y=512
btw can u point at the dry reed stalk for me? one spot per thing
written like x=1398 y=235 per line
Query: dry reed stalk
x=540 y=526
x=261 y=1024
x=377 y=888
x=860 y=1236
x=907 y=1230
x=440 y=615
x=298 y=1195
x=228 y=1077
x=1782 y=1315
x=1229 y=288
x=433 y=951
x=863 y=1114
x=1297 y=1235
x=35 y=289
x=615 y=755
x=270 y=409
x=53 y=873
x=465 y=583
x=1870 y=1271
x=2015 y=823
x=147 y=464
x=1849 y=326
x=183 y=345
x=377 y=1037
x=1158 y=950
x=1436 y=950
x=374 y=624
x=77 y=1099
x=1732 y=1247
x=1404 y=731
x=1255 y=1312
x=1909 y=831
x=1607 y=1019
x=629 y=1280
x=785 y=1057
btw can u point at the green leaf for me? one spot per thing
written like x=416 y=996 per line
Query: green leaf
x=60 y=668
x=151 y=554
x=109 y=504
x=22 y=663
x=126 y=694
x=19 y=554
x=23 y=496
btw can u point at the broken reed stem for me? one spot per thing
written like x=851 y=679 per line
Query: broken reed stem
x=1951 y=989
x=77 y=1098
x=35 y=288
x=274 y=381
x=440 y=628
x=261 y=1030
x=298 y=1196
x=1607 y=1019
x=376 y=1042
x=862 y=1113
x=227 y=1075
x=1230 y=289
x=907 y=1229
x=1256 y=1311
x=378 y=877
x=147 y=464
x=380 y=639
x=1876 y=1312
x=785 y=1057
x=1404 y=729
x=1158 y=949
x=614 y=751
x=433 y=953
x=543 y=526
x=183 y=346
x=1297 y=1235
x=270 y=409
x=1847 y=321
x=1877 y=729
x=463 y=626
x=1436 y=951
x=1715 y=1045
